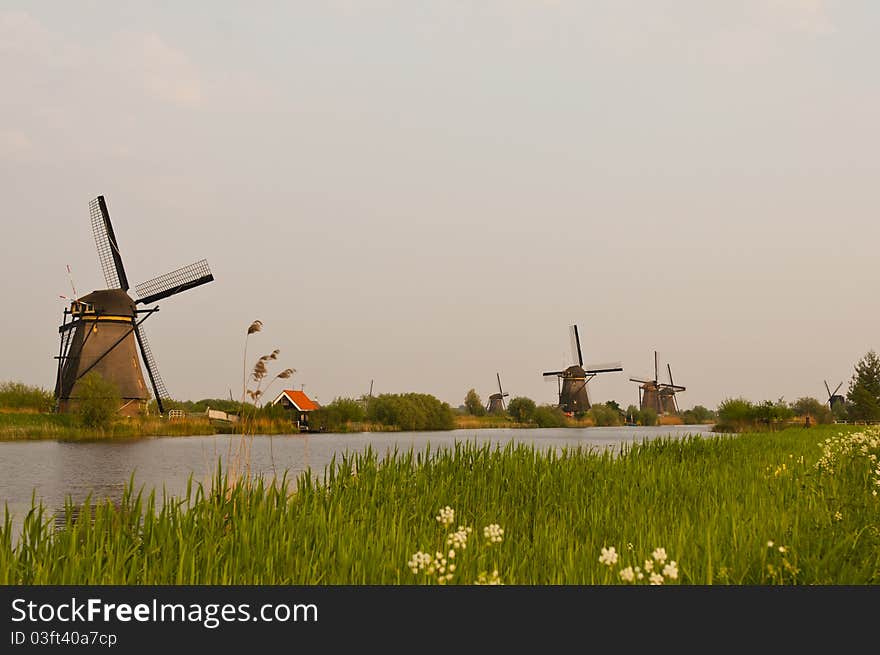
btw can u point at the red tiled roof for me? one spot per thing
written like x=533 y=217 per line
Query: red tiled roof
x=298 y=398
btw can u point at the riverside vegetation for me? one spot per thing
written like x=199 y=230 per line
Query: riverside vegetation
x=797 y=506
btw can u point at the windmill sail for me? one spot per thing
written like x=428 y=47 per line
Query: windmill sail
x=108 y=249
x=156 y=380
x=174 y=282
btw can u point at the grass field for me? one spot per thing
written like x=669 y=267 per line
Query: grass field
x=792 y=507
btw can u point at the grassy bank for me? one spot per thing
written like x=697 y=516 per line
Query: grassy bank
x=770 y=508
x=19 y=426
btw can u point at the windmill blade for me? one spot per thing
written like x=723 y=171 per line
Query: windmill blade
x=576 y=345
x=656 y=371
x=108 y=248
x=156 y=380
x=641 y=381
x=500 y=390
x=837 y=388
x=549 y=373
x=603 y=368
x=827 y=388
x=669 y=369
x=174 y=282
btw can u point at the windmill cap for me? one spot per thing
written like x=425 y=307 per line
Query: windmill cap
x=110 y=301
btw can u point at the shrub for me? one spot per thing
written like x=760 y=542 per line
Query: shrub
x=736 y=413
x=698 y=414
x=16 y=395
x=337 y=415
x=411 y=411
x=647 y=416
x=812 y=407
x=98 y=400
x=522 y=409
x=547 y=416
x=604 y=415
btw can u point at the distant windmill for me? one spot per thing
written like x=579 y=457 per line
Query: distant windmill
x=572 y=382
x=365 y=400
x=496 y=400
x=834 y=399
x=103 y=330
x=656 y=395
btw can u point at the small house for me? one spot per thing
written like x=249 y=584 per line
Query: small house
x=299 y=403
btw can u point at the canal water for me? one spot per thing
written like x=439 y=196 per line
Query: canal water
x=53 y=471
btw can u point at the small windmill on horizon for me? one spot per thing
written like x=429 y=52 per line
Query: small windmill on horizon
x=656 y=395
x=834 y=399
x=496 y=400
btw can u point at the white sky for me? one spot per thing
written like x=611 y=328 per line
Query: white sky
x=425 y=193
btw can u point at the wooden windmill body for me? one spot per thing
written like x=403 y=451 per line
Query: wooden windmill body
x=572 y=382
x=103 y=330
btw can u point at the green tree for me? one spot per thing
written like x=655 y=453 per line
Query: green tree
x=99 y=400
x=521 y=409
x=864 y=389
x=474 y=404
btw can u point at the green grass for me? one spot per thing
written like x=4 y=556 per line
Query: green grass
x=21 y=426
x=713 y=504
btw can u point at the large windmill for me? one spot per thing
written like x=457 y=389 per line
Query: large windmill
x=103 y=330
x=572 y=382
x=834 y=399
x=656 y=395
x=496 y=400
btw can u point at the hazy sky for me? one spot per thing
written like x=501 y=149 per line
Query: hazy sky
x=425 y=193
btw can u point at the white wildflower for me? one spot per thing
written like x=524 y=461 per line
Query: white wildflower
x=489 y=579
x=671 y=570
x=649 y=565
x=458 y=539
x=446 y=516
x=608 y=556
x=659 y=554
x=656 y=579
x=627 y=574
x=419 y=562
x=494 y=533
